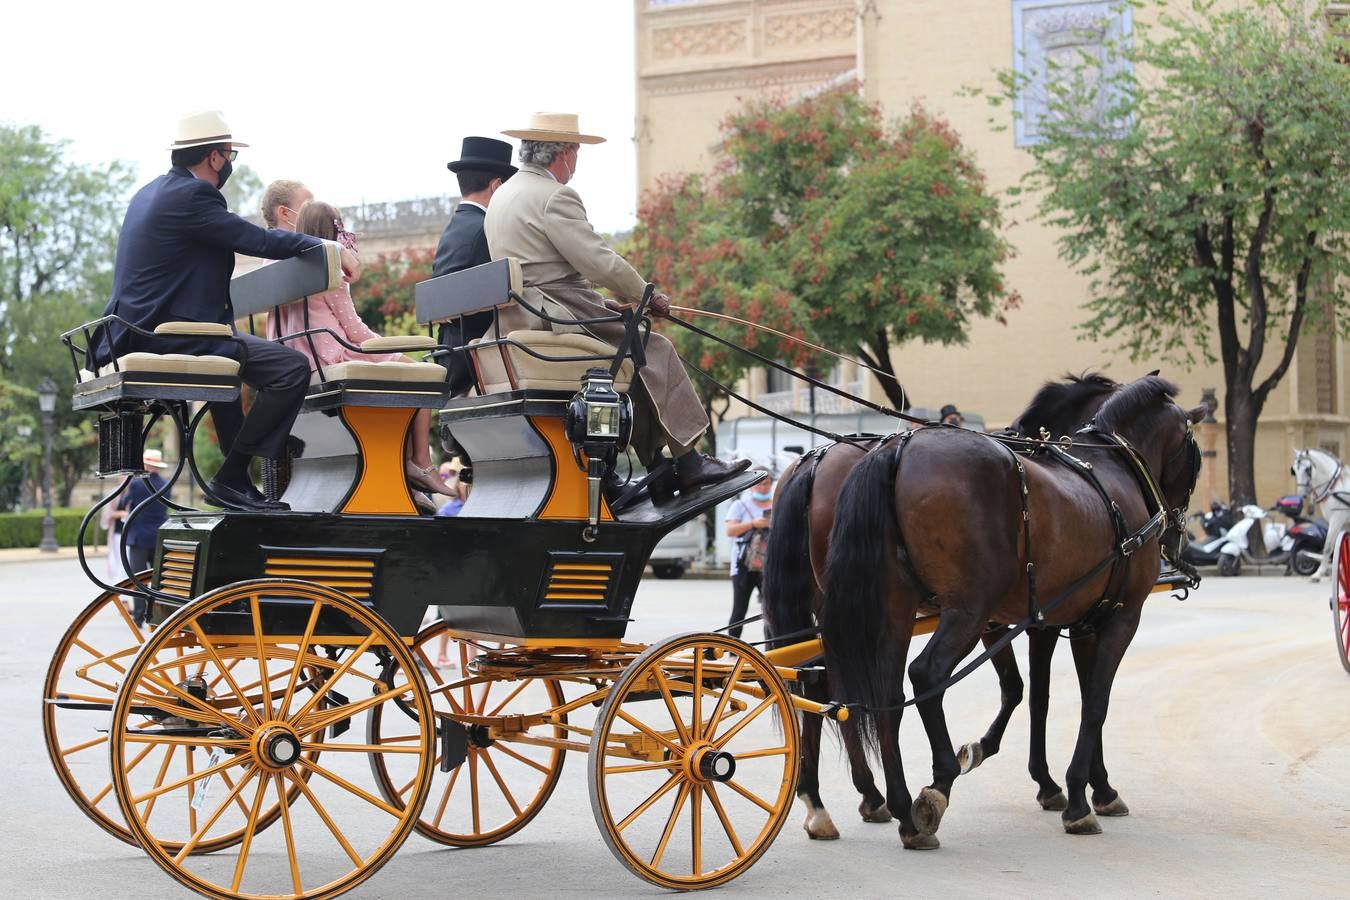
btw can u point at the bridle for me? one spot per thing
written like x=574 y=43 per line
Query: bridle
x=1315 y=495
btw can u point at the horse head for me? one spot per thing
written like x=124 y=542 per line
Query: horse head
x=1316 y=473
x=1145 y=414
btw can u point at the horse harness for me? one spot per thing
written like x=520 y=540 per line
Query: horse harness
x=1320 y=495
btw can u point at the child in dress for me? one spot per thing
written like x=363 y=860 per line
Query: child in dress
x=334 y=310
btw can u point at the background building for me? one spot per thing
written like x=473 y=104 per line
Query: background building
x=698 y=60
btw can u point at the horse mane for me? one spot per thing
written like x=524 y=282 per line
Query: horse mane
x=1056 y=396
x=1132 y=400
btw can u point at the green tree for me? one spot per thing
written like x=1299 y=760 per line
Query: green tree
x=1205 y=183
x=58 y=238
x=243 y=192
x=385 y=289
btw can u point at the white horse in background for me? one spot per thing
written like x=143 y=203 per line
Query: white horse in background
x=1325 y=480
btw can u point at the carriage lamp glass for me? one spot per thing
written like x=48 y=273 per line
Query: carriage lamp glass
x=602 y=417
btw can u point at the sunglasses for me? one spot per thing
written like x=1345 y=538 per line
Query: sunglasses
x=231 y=155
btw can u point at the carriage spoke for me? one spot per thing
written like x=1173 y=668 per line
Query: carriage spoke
x=345 y=711
x=722 y=701
x=159 y=779
x=752 y=797
x=356 y=748
x=191 y=810
x=726 y=823
x=351 y=788
x=445 y=797
x=255 y=612
x=666 y=764
x=126 y=617
x=284 y=706
x=696 y=828
x=200 y=707
x=696 y=726
x=102 y=659
x=264 y=779
x=327 y=819
x=334 y=677
x=196 y=776
x=749 y=717
x=654 y=735
x=231 y=797
x=509 y=697
x=94 y=801
x=225 y=777
x=285 y=806
x=102 y=738
x=225 y=673
x=521 y=757
x=473 y=791
x=760 y=754
x=497 y=776
x=674 y=817
x=664 y=687
x=645 y=805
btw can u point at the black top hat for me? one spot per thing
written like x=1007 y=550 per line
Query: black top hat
x=484 y=154
x=948 y=410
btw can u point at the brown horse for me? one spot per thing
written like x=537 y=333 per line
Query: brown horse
x=804 y=510
x=953 y=522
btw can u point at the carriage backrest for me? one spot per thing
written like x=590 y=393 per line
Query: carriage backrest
x=314 y=271
x=468 y=291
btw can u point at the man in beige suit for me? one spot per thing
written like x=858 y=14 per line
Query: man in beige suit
x=538 y=219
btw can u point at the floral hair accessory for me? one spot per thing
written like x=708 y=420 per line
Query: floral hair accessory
x=345 y=237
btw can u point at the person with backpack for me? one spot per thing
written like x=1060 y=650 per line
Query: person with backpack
x=748 y=523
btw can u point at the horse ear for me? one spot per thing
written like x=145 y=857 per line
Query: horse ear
x=1197 y=415
x=1153 y=374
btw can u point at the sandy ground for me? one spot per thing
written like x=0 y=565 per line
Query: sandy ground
x=1229 y=738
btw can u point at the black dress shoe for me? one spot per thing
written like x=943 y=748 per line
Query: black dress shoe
x=242 y=500
x=260 y=499
x=694 y=470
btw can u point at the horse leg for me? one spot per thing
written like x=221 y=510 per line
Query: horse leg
x=1108 y=649
x=872 y=808
x=1040 y=651
x=818 y=825
x=1105 y=799
x=958 y=632
x=1010 y=695
x=898 y=799
x=1336 y=522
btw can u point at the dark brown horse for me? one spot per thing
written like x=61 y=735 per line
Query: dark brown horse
x=951 y=522
x=804 y=510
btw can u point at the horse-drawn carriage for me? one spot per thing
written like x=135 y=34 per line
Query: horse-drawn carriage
x=282 y=728
x=283 y=704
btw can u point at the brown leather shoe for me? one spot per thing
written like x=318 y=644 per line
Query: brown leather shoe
x=694 y=470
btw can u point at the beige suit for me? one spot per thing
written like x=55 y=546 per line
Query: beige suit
x=543 y=224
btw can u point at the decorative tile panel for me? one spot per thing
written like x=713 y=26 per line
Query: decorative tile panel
x=1052 y=41
x=823 y=26
x=699 y=39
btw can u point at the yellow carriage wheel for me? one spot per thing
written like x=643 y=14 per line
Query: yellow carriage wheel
x=694 y=761
x=82 y=681
x=501 y=785
x=197 y=682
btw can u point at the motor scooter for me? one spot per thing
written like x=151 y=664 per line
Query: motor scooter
x=1214 y=524
x=1305 y=539
x=1256 y=539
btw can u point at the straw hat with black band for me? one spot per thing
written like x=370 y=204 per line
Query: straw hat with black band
x=199 y=129
x=561 y=128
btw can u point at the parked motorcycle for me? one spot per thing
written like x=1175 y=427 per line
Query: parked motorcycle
x=1257 y=539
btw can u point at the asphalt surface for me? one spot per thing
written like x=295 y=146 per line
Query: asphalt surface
x=1229 y=738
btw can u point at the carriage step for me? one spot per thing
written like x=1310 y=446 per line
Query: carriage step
x=454 y=738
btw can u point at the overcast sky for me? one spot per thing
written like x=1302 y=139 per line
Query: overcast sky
x=362 y=101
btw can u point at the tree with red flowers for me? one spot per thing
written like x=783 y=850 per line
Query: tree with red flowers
x=383 y=296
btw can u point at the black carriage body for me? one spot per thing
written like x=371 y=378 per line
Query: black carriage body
x=531 y=578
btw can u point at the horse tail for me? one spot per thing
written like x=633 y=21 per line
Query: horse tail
x=789 y=585
x=858 y=572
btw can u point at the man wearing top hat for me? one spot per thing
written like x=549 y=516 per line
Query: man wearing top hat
x=175 y=256
x=539 y=219
x=483 y=164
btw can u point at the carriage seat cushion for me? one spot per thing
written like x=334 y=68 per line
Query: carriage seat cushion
x=399 y=342
x=180 y=363
x=382 y=371
x=538 y=374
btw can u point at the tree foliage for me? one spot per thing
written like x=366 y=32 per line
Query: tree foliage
x=243 y=192
x=1206 y=185
x=384 y=294
x=58 y=237
x=857 y=233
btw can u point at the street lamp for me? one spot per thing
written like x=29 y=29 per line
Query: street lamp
x=47 y=403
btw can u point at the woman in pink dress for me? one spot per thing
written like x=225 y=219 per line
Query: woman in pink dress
x=334 y=310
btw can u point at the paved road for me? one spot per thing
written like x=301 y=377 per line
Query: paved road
x=1229 y=738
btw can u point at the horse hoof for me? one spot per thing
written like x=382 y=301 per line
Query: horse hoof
x=928 y=809
x=1086 y=825
x=920 y=842
x=1116 y=807
x=820 y=827
x=970 y=757
x=1056 y=802
x=875 y=814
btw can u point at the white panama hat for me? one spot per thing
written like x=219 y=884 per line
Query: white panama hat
x=199 y=129
x=560 y=127
x=154 y=458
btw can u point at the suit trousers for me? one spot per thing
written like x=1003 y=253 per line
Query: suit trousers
x=280 y=376
x=461 y=376
x=140 y=556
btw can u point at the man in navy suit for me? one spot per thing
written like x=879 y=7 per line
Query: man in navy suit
x=483 y=164
x=175 y=256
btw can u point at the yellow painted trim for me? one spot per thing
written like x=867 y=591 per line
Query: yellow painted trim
x=583 y=567
x=551 y=643
x=794 y=654
x=381 y=433
x=331 y=562
x=567 y=496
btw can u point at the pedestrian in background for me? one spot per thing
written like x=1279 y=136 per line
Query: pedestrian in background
x=748 y=523
x=138 y=533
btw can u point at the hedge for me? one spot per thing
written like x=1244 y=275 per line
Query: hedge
x=25 y=529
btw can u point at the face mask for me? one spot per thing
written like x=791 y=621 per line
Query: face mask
x=571 y=173
x=224 y=174
x=761 y=498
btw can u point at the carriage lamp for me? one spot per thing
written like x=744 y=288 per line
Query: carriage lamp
x=599 y=422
